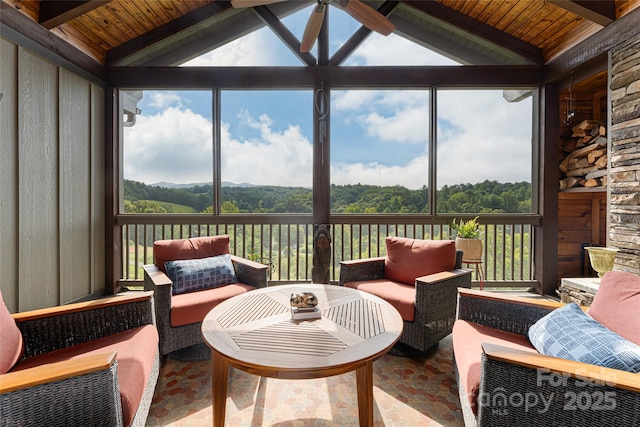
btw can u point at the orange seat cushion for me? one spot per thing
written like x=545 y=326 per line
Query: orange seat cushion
x=408 y=259
x=192 y=307
x=401 y=296
x=467 y=349
x=194 y=248
x=136 y=350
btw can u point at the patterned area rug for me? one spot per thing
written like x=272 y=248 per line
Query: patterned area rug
x=408 y=391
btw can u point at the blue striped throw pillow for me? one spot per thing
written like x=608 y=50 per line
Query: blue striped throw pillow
x=196 y=274
x=569 y=333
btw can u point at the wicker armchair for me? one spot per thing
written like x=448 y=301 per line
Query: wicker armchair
x=175 y=335
x=85 y=364
x=520 y=387
x=434 y=304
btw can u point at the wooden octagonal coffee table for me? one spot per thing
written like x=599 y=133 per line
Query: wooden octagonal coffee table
x=254 y=332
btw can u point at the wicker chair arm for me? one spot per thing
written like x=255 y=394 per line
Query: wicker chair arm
x=158 y=282
x=361 y=269
x=82 y=306
x=250 y=272
x=154 y=277
x=82 y=391
x=65 y=326
x=436 y=295
x=522 y=389
x=58 y=371
x=577 y=370
x=507 y=313
x=442 y=276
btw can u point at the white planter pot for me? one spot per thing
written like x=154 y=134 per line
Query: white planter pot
x=471 y=248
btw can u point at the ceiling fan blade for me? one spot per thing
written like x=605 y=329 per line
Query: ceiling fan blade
x=251 y=3
x=312 y=30
x=367 y=16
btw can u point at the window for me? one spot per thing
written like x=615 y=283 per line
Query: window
x=167 y=151
x=266 y=151
x=379 y=151
x=484 y=152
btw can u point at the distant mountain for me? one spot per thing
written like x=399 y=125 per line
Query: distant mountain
x=199 y=184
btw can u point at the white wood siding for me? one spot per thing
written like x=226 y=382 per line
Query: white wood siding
x=8 y=175
x=52 y=214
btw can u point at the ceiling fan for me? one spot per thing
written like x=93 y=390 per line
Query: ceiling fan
x=366 y=15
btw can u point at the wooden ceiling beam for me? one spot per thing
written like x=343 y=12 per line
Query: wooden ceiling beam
x=507 y=77
x=480 y=29
x=283 y=33
x=54 y=13
x=602 y=12
x=208 y=35
x=158 y=34
x=594 y=49
x=18 y=27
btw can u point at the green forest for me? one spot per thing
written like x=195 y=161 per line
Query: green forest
x=484 y=197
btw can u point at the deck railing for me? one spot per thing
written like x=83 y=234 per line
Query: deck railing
x=285 y=242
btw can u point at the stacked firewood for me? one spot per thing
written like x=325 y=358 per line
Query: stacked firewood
x=584 y=156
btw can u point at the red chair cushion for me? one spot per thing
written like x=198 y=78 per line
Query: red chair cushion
x=616 y=304
x=135 y=348
x=194 y=248
x=11 y=339
x=408 y=259
x=192 y=307
x=400 y=295
x=467 y=349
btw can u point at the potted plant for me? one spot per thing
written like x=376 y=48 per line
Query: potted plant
x=468 y=239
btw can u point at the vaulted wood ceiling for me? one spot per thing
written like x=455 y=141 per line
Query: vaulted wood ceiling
x=166 y=32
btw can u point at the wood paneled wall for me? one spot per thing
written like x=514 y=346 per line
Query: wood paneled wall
x=52 y=193
x=582 y=218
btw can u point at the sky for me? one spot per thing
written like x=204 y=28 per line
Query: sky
x=377 y=137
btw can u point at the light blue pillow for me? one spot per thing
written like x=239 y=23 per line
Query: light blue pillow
x=196 y=274
x=569 y=333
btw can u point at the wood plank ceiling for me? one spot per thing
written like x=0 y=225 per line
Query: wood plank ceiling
x=108 y=31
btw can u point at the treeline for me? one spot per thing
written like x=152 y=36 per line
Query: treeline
x=198 y=197
x=484 y=197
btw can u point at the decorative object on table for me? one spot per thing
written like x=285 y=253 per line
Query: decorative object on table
x=468 y=239
x=304 y=306
x=601 y=259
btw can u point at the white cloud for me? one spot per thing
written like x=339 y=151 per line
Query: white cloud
x=406 y=125
x=275 y=158
x=165 y=99
x=491 y=141
x=491 y=138
x=394 y=50
x=173 y=145
x=251 y=50
x=390 y=115
x=412 y=175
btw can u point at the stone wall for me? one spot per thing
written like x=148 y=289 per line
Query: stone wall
x=624 y=172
